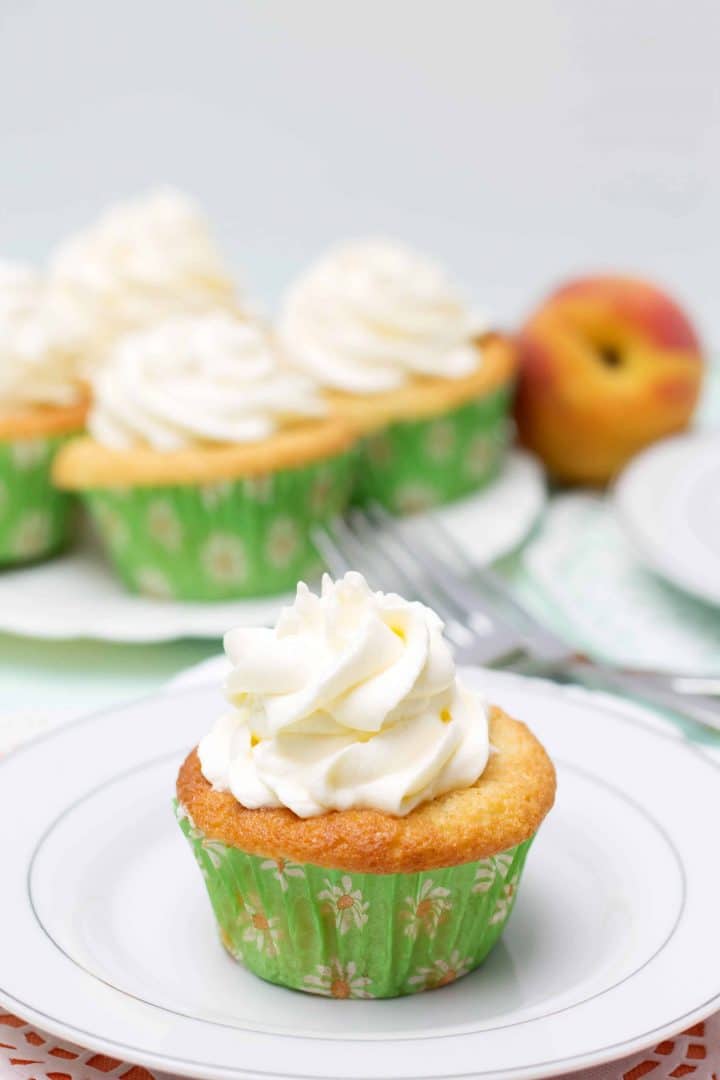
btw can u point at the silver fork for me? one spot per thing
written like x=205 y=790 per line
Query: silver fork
x=484 y=622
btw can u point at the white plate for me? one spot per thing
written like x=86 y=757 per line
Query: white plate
x=668 y=500
x=78 y=595
x=107 y=938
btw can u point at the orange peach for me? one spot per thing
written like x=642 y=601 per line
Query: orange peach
x=607 y=365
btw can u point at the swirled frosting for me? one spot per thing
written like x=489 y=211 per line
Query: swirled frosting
x=142 y=262
x=210 y=379
x=39 y=341
x=351 y=701
x=372 y=315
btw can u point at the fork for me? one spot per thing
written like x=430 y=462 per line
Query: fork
x=484 y=622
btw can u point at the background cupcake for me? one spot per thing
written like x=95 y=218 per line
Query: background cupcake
x=402 y=356
x=356 y=836
x=142 y=262
x=41 y=404
x=208 y=463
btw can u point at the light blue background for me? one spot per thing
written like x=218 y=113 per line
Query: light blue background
x=519 y=140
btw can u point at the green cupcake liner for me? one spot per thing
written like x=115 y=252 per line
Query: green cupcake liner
x=349 y=935
x=413 y=465
x=34 y=516
x=217 y=541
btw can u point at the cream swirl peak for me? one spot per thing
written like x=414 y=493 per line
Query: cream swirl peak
x=372 y=315
x=190 y=381
x=39 y=342
x=351 y=701
x=143 y=261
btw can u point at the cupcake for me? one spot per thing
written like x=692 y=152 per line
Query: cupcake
x=142 y=262
x=402 y=357
x=208 y=464
x=360 y=817
x=41 y=404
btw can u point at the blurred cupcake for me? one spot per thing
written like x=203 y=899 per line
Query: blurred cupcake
x=208 y=463
x=356 y=836
x=401 y=356
x=142 y=262
x=41 y=404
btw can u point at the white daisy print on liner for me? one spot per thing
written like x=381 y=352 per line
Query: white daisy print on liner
x=259 y=488
x=113 y=526
x=232 y=947
x=480 y=455
x=283 y=542
x=261 y=930
x=224 y=559
x=426 y=911
x=163 y=525
x=441 y=973
x=320 y=491
x=345 y=904
x=282 y=869
x=214 y=849
x=489 y=870
x=504 y=903
x=32 y=534
x=211 y=495
x=338 y=981
x=29 y=453
x=152 y=582
x=440 y=440
x=379 y=450
x=414 y=498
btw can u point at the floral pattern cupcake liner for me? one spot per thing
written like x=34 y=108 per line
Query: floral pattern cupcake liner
x=216 y=541
x=350 y=935
x=413 y=465
x=34 y=515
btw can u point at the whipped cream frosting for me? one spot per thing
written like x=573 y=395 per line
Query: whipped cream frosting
x=200 y=380
x=352 y=700
x=39 y=342
x=141 y=262
x=371 y=315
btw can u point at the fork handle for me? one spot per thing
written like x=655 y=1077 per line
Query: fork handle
x=697 y=707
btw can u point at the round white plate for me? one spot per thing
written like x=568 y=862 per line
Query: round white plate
x=668 y=500
x=77 y=595
x=107 y=937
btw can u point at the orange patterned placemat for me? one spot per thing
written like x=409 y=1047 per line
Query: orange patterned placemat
x=29 y=1054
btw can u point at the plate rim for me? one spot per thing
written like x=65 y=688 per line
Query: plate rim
x=569 y=767
x=648 y=553
x=600 y=701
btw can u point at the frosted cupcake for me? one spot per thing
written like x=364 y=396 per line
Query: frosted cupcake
x=402 y=356
x=356 y=833
x=41 y=404
x=207 y=463
x=142 y=262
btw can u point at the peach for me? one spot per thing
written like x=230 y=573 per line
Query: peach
x=607 y=365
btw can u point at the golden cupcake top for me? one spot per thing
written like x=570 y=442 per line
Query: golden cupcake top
x=503 y=808
x=371 y=316
x=194 y=400
x=350 y=741
x=428 y=396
